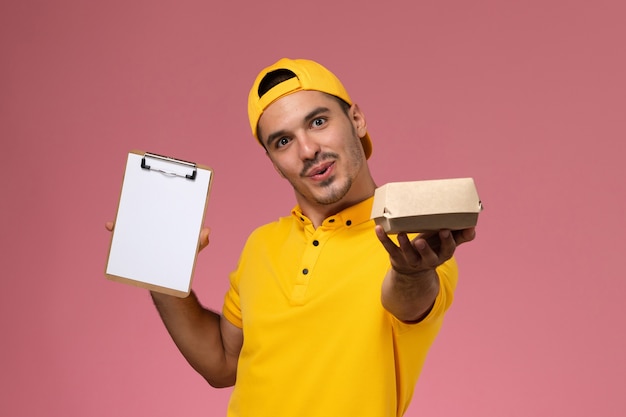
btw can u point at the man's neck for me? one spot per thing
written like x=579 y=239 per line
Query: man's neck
x=317 y=213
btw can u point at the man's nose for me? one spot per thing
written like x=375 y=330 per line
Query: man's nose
x=308 y=147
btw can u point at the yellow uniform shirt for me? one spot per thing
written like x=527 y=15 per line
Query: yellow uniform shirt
x=317 y=341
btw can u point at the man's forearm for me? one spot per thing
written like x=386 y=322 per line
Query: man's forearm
x=410 y=298
x=196 y=331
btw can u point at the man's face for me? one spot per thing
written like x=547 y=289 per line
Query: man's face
x=314 y=144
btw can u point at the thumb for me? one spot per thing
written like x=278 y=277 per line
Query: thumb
x=204 y=237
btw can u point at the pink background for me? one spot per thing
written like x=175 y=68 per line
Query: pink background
x=526 y=97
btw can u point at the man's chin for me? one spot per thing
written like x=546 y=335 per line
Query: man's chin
x=331 y=196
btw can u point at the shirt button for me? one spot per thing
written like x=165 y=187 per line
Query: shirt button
x=315 y=243
x=305 y=271
x=349 y=222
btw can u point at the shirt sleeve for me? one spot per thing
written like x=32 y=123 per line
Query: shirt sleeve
x=232 y=309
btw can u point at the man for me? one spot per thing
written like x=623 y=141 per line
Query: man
x=326 y=315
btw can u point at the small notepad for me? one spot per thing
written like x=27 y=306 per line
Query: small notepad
x=154 y=243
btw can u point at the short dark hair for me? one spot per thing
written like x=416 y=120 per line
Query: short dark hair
x=273 y=78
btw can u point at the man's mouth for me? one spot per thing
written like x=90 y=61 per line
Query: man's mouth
x=320 y=171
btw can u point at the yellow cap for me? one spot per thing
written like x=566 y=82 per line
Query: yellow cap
x=309 y=76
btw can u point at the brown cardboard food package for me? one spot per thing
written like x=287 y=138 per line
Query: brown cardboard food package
x=426 y=206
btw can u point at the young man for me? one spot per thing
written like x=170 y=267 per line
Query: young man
x=326 y=315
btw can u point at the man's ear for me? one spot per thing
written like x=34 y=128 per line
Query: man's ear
x=358 y=119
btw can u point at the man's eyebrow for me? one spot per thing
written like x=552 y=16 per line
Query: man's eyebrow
x=316 y=112
x=271 y=138
x=311 y=115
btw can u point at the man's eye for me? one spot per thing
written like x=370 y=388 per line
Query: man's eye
x=282 y=142
x=318 y=122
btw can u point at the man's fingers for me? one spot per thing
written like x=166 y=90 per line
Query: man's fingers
x=388 y=244
x=429 y=256
x=109 y=226
x=432 y=238
x=427 y=250
x=204 y=237
x=465 y=235
x=448 y=245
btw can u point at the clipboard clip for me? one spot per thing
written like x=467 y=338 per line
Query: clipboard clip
x=164 y=161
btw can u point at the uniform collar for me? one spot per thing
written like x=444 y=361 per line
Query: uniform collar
x=352 y=216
